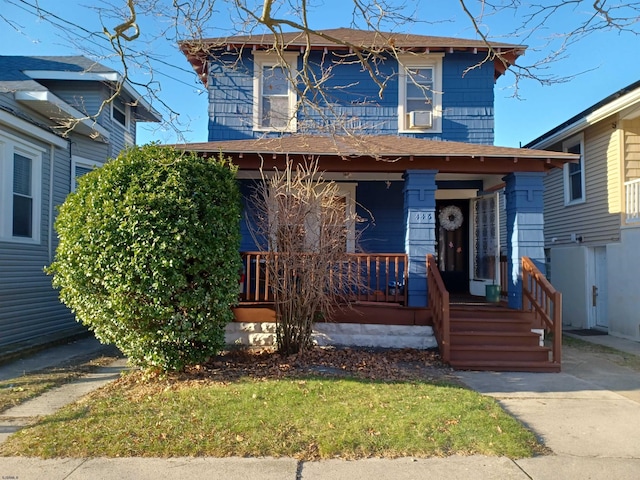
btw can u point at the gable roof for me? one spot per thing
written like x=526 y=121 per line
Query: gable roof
x=383 y=153
x=614 y=103
x=13 y=67
x=334 y=39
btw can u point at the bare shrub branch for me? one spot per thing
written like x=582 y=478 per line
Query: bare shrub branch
x=304 y=223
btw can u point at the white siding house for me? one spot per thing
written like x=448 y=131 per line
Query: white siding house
x=40 y=157
x=592 y=215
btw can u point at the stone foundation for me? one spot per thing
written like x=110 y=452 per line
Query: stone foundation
x=343 y=334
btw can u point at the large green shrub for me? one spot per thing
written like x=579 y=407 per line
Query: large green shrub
x=148 y=254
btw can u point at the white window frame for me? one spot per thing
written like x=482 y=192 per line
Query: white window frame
x=347 y=190
x=406 y=63
x=288 y=61
x=10 y=145
x=127 y=113
x=566 y=145
x=82 y=162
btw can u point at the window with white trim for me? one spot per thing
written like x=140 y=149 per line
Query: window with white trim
x=81 y=166
x=420 y=93
x=307 y=234
x=20 y=190
x=274 y=95
x=120 y=111
x=574 y=187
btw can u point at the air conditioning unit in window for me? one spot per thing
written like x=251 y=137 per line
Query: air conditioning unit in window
x=420 y=119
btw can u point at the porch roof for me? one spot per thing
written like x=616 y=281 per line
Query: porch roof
x=382 y=153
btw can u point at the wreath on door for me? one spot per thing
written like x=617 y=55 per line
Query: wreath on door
x=451 y=218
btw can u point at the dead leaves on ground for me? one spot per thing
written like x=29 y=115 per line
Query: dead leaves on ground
x=372 y=364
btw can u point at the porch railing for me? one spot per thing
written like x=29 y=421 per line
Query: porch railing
x=439 y=304
x=383 y=277
x=632 y=191
x=539 y=297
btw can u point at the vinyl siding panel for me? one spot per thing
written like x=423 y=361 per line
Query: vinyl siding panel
x=90 y=149
x=30 y=311
x=89 y=98
x=597 y=220
x=632 y=149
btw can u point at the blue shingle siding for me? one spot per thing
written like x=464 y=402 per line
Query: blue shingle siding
x=247 y=189
x=467 y=101
x=385 y=233
x=231 y=100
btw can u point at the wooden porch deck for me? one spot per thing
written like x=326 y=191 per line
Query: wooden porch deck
x=472 y=334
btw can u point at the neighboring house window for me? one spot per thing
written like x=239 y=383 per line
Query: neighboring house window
x=420 y=93
x=120 y=111
x=20 y=190
x=22 y=196
x=79 y=167
x=574 y=187
x=274 y=95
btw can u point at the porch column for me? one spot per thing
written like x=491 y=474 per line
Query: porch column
x=525 y=228
x=420 y=239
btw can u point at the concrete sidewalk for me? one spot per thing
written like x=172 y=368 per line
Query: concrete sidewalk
x=76 y=351
x=589 y=415
x=450 y=468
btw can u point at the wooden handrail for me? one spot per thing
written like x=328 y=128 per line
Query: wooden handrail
x=541 y=298
x=385 y=277
x=439 y=304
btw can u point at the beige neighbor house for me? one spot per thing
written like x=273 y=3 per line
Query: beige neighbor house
x=592 y=215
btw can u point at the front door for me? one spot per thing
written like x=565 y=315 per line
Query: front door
x=599 y=288
x=452 y=225
x=485 y=255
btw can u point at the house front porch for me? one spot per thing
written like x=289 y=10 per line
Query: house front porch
x=466 y=205
x=471 y=332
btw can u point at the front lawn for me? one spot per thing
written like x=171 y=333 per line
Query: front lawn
x=338 y=411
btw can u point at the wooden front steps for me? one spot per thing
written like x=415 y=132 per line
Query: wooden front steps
x=496 y=338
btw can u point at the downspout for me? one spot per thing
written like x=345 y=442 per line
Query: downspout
x=52 y=153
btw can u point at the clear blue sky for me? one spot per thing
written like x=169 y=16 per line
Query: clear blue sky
x=610 y=61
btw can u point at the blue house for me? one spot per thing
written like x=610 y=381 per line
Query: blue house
x=54 y=127
x=405 y=125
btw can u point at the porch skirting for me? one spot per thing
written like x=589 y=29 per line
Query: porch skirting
x=339 y=334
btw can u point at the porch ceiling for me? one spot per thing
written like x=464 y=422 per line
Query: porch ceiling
x=382 y=153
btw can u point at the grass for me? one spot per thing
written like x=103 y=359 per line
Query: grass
x=308 y=418
x=18 y=390
x=618 y=357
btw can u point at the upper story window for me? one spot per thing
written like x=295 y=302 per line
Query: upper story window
x=20 y=190
x=574 y=187
x=274 y=95
x=79 y=167
x=120 y=111
x=420 y=93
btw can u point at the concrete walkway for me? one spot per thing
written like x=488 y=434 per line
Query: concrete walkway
x=589 y=415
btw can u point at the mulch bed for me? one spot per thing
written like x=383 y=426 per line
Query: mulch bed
x=364 y=363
